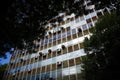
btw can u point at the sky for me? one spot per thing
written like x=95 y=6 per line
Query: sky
x=5 y=61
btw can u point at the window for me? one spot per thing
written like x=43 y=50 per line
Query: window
x=59 y=41
x=71 y=62
x=73 y=31
x=63 y=35
x=37 y=77
x=65 y=64
x=54 y=43
x=88 y=20
x=59 y=73
x=72 y=77
x=76 y=47
x=53 y=66
x=54 y=54
x=48 y=67
x=81 y=45
x=43 y=76
x=69 y=38
x=53 y=74
x=43 y=69
x=68 y=33
x=77 y=20
x=70 y=49
x=74 y=36
x=64 y=40
x=33 y=77
x=84 y=27
x=77 y=60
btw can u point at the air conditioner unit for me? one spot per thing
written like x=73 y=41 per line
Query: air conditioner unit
x=63 y=46
x=44 y=55
x=59 y=63
x=13 y=74
x=21 y=59
x=36 y=57
x=11 y=63
x=62 y=28
x=79 y=30
x=49 y=33
x=86 y=38
x=40 y=53
x=58 y=50
x=49 y=51
x=29 y=70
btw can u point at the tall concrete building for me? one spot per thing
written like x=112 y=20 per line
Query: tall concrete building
x=57 y=55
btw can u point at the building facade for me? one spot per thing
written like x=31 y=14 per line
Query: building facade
x=58 y=55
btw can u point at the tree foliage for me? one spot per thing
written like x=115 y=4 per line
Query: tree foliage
x=2 y=70
x=102 y=60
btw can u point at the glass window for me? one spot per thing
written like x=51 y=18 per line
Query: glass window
x=78 y=68
x=43 y=76
x=68 y=33
x=59 y=36
x=39 y=64
x=50 y=40
x=73 y=31
x=53 y=66
x=84 y=27
x=59 y=73
x=24 y=78
x=54 y=38
x=35 y=65
x=77 y=60
x=63 y=35
x=71 y=62
x=70 y=49
x=76 y=47
x=53 y=74
x=65 y=64
x=28 y=77
x=37 y=77
x=33 y=78
x=82 y=18
x=42 y=42
x=77 y=20
x=46 y=41
x=47 y=76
